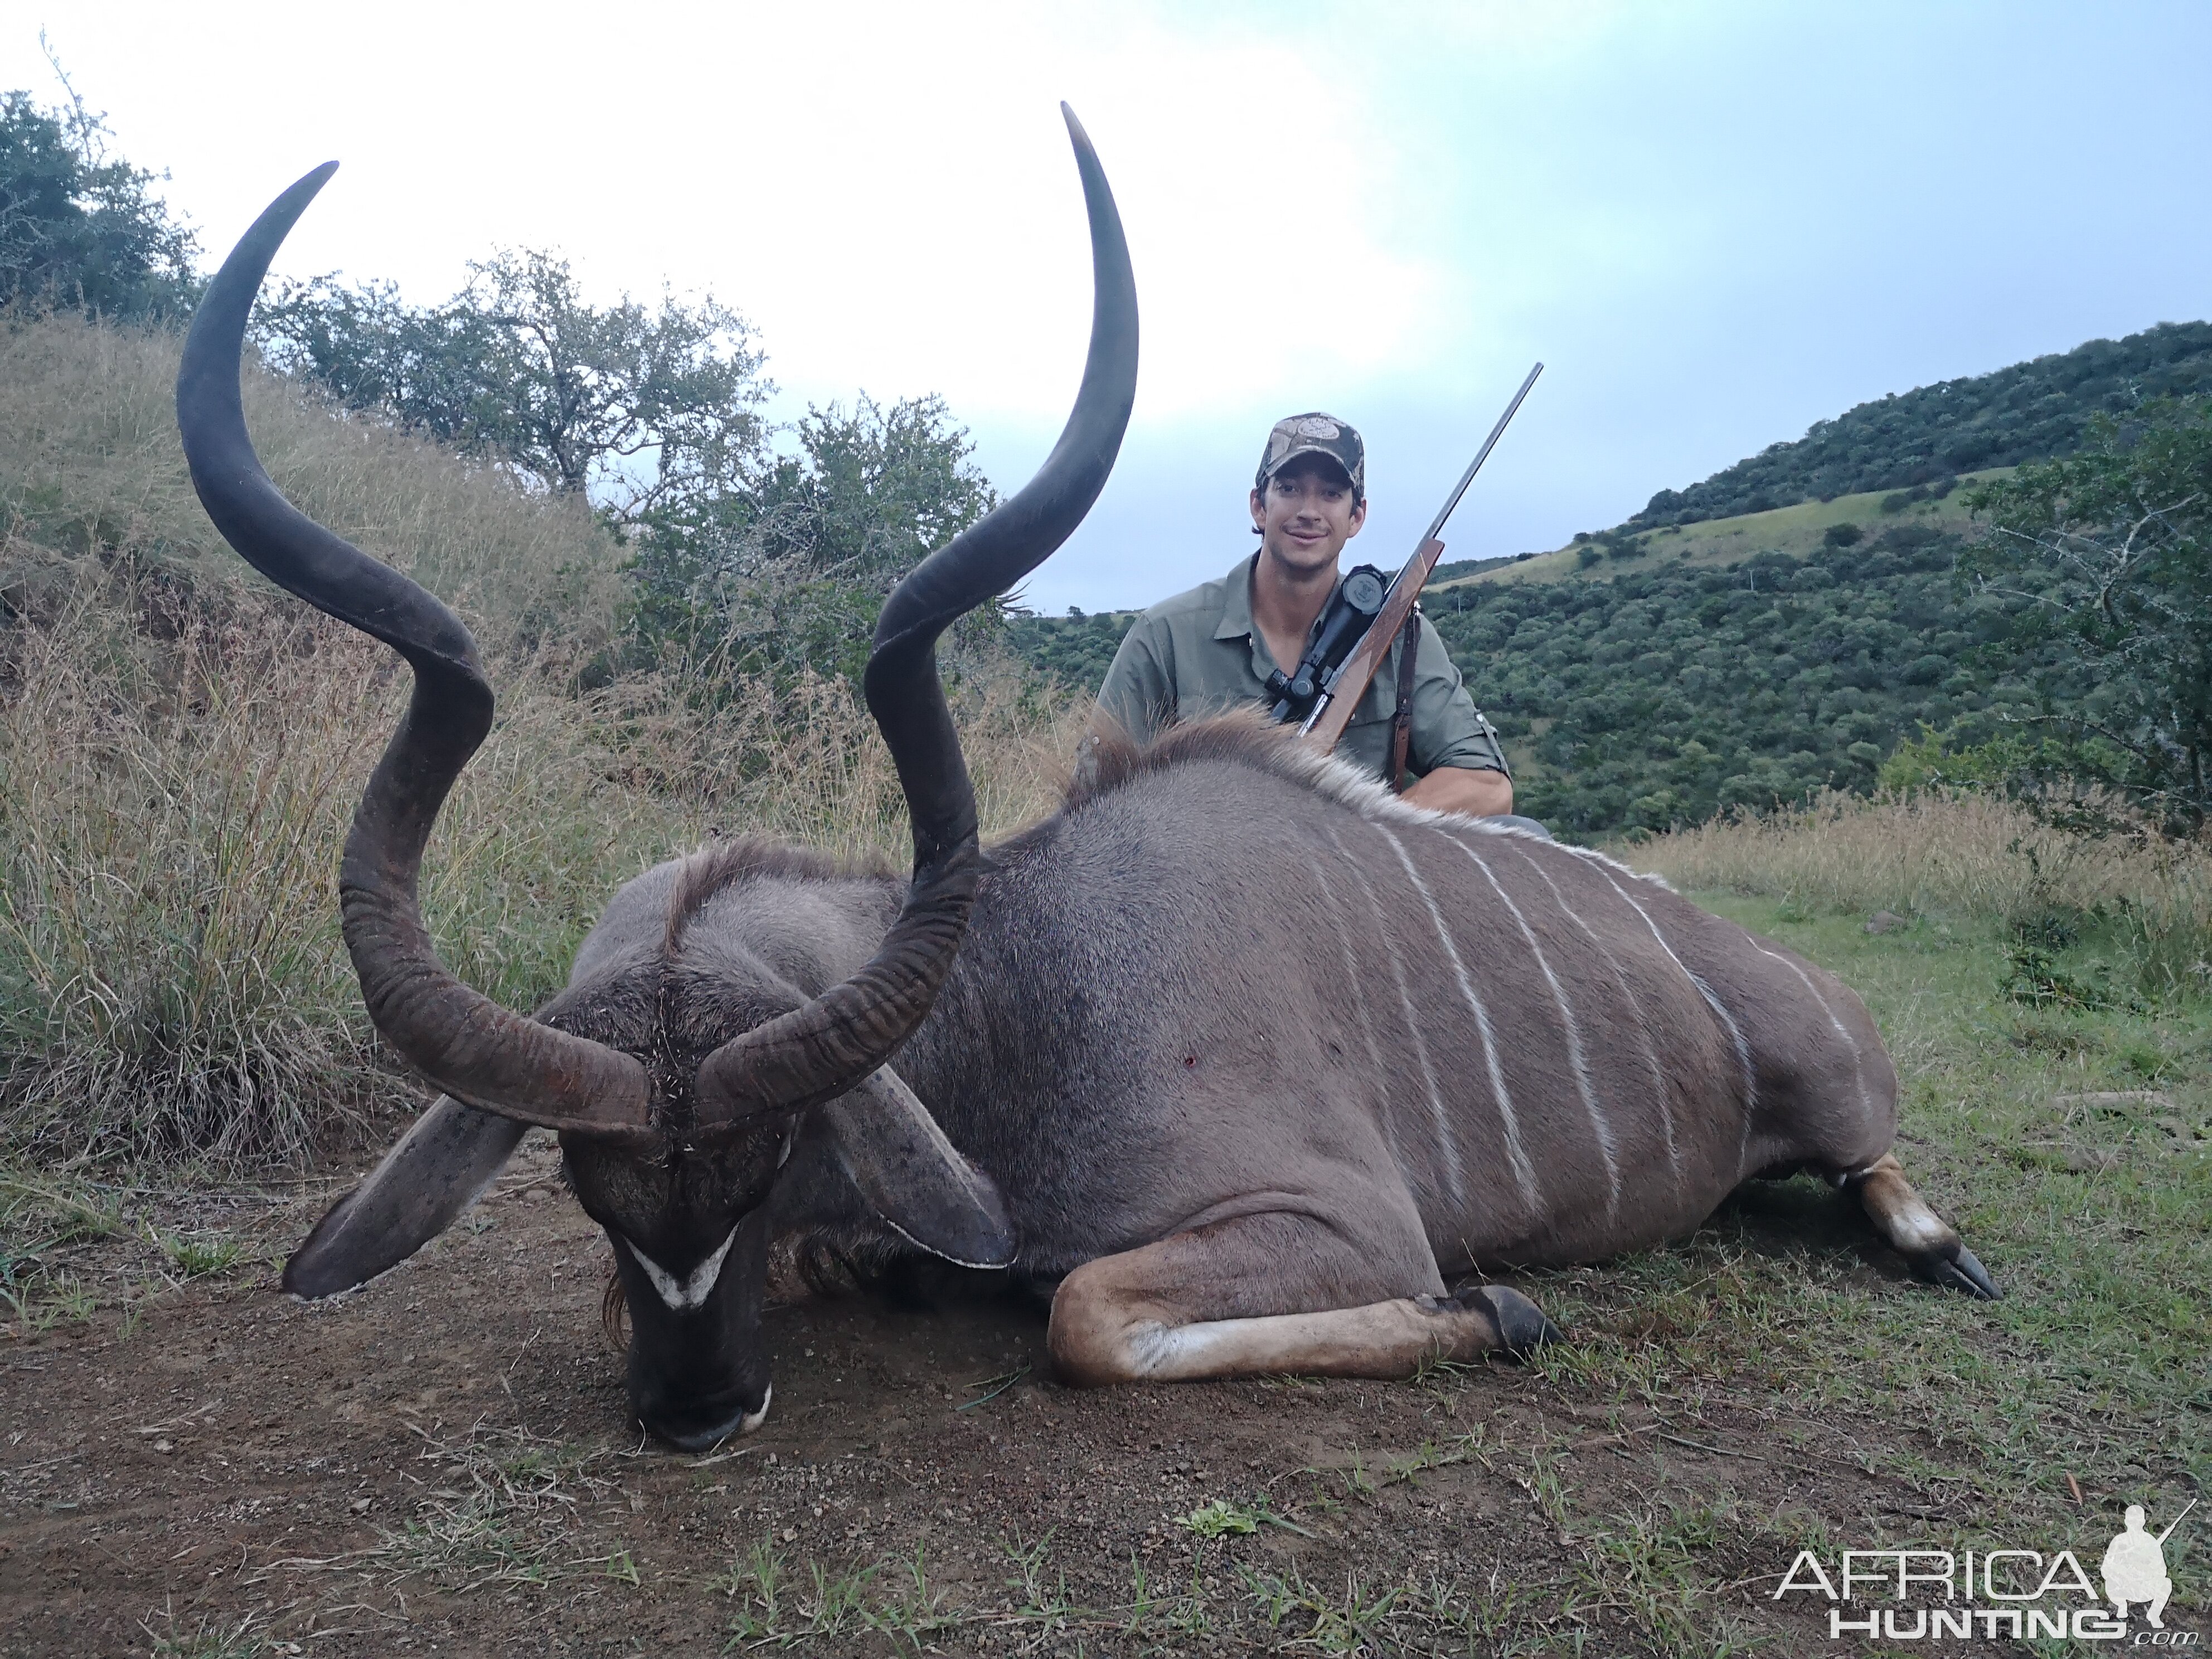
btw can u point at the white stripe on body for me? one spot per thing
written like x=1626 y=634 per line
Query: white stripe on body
x=1360 y=1012
x=1659 y=1089
x=1735 y=1033
x=1576 y=1060
x=1523 y=1176
x=1858 y=1060
x=1447 y=1145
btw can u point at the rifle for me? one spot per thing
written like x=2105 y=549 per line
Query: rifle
x=1341 y=690
x=1350 y=609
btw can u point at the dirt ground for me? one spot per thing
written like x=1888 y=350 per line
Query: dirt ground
x=443 y=1463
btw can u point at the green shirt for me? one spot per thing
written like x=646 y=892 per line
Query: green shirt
x=1199 y=653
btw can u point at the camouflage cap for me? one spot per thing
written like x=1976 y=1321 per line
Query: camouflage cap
x=1315 y=434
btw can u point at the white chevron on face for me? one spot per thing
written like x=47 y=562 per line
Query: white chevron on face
x=683 y=1296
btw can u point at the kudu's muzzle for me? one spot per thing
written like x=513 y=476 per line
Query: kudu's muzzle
x=700 y=1374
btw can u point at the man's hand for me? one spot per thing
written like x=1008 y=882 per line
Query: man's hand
x=1458 y=789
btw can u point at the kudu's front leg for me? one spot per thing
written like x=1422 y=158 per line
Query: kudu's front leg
x=1273 y=1293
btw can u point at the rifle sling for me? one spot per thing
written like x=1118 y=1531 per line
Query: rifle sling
x=1401 y=722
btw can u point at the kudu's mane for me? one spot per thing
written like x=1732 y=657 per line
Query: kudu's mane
x=753 y=857
x=1248 y=739
x=1114 y=762
x=1243 y=738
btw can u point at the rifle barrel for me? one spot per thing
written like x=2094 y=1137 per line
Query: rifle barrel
x=1347 y=682
x=1451 y=501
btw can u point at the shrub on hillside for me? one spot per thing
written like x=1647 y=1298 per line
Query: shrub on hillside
x=2111 y=552
x=787 y=575
x=80 y=229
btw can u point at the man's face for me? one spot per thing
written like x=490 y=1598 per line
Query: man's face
x=1306 y=513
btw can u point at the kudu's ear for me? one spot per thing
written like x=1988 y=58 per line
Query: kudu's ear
x=914 y=1178
x=439 y=1168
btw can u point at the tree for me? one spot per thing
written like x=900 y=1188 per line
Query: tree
x=645 y=410
x=794 y=568
x=81 y=229
x=745 y=560
x=2112 y=550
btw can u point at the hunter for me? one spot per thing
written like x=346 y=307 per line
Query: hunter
x=1212 y=649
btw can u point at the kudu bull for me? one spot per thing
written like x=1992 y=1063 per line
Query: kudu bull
x=1237 y=1056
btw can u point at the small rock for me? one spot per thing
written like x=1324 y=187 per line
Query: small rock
x=164 y=1447
x=1883 y=921
x=790 y=1534
x=536 y=1195
x=361 y=1505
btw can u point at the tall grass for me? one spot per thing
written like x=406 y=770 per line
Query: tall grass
x=172 y=980
x=90 y=467
x=181 y=749
x=1973 y=857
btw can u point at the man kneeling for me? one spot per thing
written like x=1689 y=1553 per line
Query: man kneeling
x=1212 y=649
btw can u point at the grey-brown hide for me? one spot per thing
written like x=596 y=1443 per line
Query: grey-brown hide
x=1543 y=1057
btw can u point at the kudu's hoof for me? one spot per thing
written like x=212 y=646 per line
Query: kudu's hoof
x=1522 y=1327
x=1960 y=1271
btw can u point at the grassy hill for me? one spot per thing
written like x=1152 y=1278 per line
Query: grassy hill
x=1663 y=689
x=2030 y=411
x=1699 y=657
x=1800 y=532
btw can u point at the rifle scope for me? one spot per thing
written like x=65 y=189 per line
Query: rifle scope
x=1344 y=619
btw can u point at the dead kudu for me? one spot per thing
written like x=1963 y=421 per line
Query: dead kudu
x=1237 y=1056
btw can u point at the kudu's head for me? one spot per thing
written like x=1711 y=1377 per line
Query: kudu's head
x=675 y=1113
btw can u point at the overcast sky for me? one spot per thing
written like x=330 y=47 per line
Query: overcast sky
x=1716 y=223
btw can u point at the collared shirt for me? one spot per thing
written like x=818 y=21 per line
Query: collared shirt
x=1200 y=654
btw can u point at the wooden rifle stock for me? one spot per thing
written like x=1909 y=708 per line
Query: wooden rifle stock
x=1341 y=695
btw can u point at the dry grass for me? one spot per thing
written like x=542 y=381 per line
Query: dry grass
x=90 y=465
x=171 y=815
x=1965 y=856
x=181 y=748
